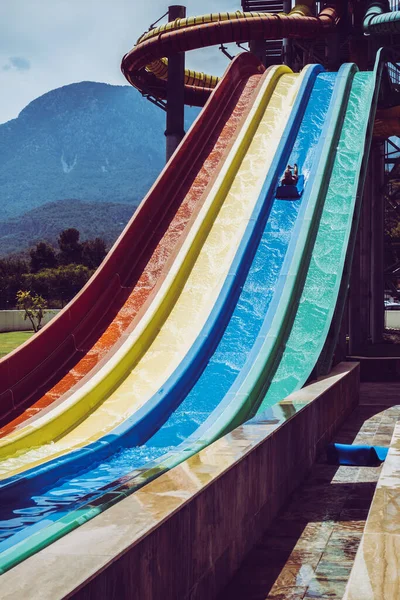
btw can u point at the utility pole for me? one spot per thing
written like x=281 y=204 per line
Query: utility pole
x=175 y=91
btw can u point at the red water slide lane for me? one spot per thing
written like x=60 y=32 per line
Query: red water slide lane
x=69 y=348
x=242 y=27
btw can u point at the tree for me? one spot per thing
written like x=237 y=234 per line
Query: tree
x=68 y=280
x=11 y=280
x=93 y=252
x=34 y=307
x=59 y=285
x=42 y=257
x=70 y=247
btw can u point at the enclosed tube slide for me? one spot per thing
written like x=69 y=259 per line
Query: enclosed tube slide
x=380 y=20
x=45 y=370
x=146 y=70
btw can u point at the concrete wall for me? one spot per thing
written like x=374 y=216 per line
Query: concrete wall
x=182 y=536
x=392 y=319
x=13 y=320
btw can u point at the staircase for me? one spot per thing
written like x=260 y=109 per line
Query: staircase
x=274 y=48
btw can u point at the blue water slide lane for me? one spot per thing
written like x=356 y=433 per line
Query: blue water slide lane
x=155 y=412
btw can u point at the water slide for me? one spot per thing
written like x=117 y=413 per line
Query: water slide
x=237 y=221
x=234 y=370
x=174 y=320
x=61 y=357
x=218 y=399
x=54 y=364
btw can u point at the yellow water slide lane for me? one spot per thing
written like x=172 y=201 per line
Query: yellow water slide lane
x=183 y=303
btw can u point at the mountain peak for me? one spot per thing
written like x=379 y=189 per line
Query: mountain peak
x=91 y=141
x=73 y=97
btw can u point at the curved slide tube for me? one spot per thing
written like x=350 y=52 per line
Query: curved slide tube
x=380 y=20
x=141 y=66
x=277 y=168
x=152 y=358
x=76 y=340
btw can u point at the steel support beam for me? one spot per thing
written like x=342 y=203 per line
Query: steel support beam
x=175 y=129
x=259 y=48
x=287 y=44
x=377 y=245
x=366 y=306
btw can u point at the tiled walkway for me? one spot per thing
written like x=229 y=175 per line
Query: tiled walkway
x=309 y=550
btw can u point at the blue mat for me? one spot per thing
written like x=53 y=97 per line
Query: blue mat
x=357 y=456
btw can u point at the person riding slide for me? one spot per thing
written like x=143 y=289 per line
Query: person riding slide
x=290 y=178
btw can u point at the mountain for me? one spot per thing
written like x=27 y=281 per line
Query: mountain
x=101 y=219
x=89 y=141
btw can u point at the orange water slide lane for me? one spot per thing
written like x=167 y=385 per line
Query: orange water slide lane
x=179 y=193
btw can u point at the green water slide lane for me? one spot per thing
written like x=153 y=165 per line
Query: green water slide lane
x=325 y=361
x=326 y=278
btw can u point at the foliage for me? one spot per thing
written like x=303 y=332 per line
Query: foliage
x=93 y=252
x=58 y=285
x=55 y=277
x=34 y=307
x=42 y=257
x=11 y=280
x=70 y=247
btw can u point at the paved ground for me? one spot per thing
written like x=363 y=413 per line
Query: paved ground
x=309 y=550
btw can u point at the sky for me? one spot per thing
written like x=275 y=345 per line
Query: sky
x=45 y=44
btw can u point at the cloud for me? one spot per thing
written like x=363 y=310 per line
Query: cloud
x=17 y=63
x=83 y=44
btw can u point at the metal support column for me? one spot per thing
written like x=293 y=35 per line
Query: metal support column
x=360 y=289
x=175 y=91
x=287 y=44
x=259 y=48
x=377 y=245
x=365 y=264
x=354 y=301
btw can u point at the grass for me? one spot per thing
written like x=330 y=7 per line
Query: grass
x=11 y=340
